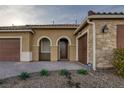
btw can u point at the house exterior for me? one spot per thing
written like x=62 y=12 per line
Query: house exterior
x=38 y=43
x=91 y=42
x=104 y=32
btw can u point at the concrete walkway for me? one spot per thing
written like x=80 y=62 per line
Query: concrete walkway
x=8 y=69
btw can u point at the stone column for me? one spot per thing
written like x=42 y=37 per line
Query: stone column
x=54 y=53
x=35 y=53
x=72 y=53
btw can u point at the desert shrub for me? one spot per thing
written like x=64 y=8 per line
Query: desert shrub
x=1 y=82
x=118 y=61
x=82 y=71
x=24 y=75
x=44 y=72
x=64 y=72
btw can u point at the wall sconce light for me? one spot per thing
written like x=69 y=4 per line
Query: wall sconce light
x=105 y=29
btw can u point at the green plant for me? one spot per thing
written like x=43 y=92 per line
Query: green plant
x=1 y=82
x=44 y=72
x=64 y=72
x=82 y=71
x=24 y=75
x=118 y=61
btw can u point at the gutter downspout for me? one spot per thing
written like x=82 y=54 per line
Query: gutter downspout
x=94 y=44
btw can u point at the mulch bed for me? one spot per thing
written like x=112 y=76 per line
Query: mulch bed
x=102 y=78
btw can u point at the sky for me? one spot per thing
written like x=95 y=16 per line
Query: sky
x=42 y=14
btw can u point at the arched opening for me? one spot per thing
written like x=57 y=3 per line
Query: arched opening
x=44 y=49
x=63 y=49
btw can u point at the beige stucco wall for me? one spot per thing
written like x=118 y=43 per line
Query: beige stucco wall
x=26 y=39
x=105 y=42
x=54 y=35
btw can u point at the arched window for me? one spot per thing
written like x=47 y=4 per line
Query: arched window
x=45 y=45
x=44 y=54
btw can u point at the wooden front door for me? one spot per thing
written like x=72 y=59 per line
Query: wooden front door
x=63 y=49
x=82 y=49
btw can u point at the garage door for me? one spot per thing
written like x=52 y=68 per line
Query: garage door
x=120 y=36
x=9 y=49
x=82 y=49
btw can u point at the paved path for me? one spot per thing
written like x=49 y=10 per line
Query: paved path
x=8 y=69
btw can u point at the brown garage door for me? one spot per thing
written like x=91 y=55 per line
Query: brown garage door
x=120 y=36
x=82 y=49
x=9 y=49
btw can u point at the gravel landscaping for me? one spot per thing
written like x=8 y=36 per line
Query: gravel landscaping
x=102 y=78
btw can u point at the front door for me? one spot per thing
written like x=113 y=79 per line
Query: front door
x=63 y=49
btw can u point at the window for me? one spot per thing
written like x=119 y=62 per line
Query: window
x=45 y=45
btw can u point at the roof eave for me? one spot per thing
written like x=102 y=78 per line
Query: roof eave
x=51 y=27
x=17 y=31
x=81 y=25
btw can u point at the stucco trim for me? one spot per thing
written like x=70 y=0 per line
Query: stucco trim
x=42 y=38
x=83 y=33
x=66 y=37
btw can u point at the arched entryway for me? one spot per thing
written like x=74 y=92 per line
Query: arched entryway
x=44 y=49
x=63 y=49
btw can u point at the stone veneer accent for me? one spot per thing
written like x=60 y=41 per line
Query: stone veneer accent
x=106 y=42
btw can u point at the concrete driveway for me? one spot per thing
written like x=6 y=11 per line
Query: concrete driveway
x=8 y=69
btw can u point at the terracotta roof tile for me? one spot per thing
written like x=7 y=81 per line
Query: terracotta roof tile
x=54 y=26
x=104 y=13
x=14 y=28
x=29 y=27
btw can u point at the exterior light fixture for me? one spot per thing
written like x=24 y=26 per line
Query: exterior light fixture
x=105 y=29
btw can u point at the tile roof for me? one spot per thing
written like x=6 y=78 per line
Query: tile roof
x=54 y=26
x=14 y=28
x=99 y=15
x=104 y=13
x=29 y=27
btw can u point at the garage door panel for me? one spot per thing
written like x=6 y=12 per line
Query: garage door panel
x=9 y=49
x=82 y=49
x=120 y=36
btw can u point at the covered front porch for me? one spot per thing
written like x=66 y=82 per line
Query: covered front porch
x=47 y=49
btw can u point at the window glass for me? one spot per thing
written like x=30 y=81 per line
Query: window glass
x=45 y=45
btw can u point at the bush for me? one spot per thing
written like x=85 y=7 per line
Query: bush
x=24 y=75
x=44 y=72
x=118 y=61
x=64 y=72
x=82 y=71
x=1 y=82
